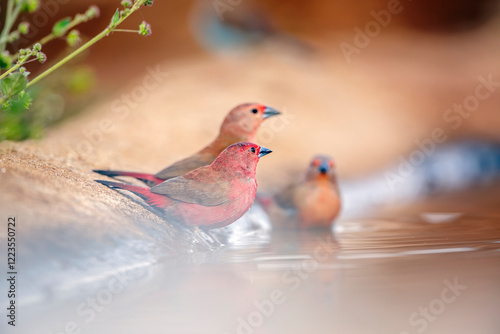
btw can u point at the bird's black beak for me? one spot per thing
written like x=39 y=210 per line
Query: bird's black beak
x=324 y=167
x=264 y=151
x=269 y=112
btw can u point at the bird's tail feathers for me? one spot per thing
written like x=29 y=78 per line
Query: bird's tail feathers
x=148 y=179
x=152 y=199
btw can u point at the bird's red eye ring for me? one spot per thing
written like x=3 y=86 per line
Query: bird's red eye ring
x=315 y=163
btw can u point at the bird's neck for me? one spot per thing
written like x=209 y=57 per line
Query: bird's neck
x=233 y=167
x=226 y=139
x=323 y=179
x=239 y=171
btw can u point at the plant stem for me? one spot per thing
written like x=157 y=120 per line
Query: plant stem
x=17 y=10
x=15 y=67
x=8 y=24
x=69 y=57
x=126 y=30
x=82 y=48
x=51 y=36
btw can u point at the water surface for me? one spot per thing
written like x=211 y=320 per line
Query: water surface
x=419 y=274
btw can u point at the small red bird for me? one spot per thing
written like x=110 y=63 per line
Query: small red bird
x=313 y=201
x=210 y=196
x=240 y=125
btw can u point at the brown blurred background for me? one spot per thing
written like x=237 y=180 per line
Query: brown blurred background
x=320 y=21
x=367 y=112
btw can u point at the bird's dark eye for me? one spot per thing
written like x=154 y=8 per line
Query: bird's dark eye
x=252 y=149
x=254 y=110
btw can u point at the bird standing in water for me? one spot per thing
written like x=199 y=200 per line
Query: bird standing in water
x=240 y=125
x=210 y=196
x=313 y=201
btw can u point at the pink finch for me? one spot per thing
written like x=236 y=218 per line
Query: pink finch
x=210 y=196
x=314 y=201
x=240 y=125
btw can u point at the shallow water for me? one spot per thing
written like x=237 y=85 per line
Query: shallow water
x=431 y=273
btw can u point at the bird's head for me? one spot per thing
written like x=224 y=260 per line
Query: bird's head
x=240 y=158
x=321 y=166
x=242 y=123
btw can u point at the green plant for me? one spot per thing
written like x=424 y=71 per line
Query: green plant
x=15 y=80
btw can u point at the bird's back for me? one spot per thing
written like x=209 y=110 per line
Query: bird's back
x=185 y=165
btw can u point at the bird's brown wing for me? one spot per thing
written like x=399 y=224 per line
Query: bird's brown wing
x=184 y=166
x=285 y=197
x=194 y=192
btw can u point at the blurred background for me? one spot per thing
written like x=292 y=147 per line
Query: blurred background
x=368 y=83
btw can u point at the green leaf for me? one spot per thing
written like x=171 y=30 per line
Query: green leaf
x=30 y=5
x=73 y=38
x=5 y=60
x=115 y=19
x=25 y=99
x=6 y=105
x=60 y=28
x=13 y=84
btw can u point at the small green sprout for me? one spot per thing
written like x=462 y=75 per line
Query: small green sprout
x=145 y=29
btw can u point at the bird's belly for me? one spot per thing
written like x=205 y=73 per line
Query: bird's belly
x=216 y=216
x=319 y=208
